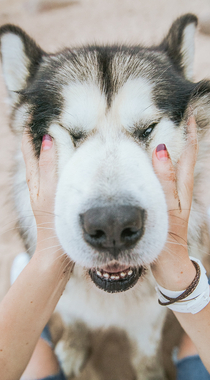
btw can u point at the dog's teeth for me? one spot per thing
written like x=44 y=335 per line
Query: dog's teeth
x=130 y=272
x=122 y=274
x=115 y=277
x=106 y=275
x=99 y=273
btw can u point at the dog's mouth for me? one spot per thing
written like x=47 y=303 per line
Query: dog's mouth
x=115 y=278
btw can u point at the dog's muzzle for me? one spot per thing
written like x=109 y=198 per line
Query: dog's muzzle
x=114 y=230
x=118 y=281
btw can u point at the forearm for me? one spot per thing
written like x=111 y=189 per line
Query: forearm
x=178 y=276
x=173 y=269
x=22 y=319
x=197 y=326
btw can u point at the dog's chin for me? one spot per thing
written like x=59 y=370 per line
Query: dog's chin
x=116 y=278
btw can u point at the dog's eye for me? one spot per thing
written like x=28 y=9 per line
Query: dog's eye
x=77 y=136
x=149 y=130
x=143 y=134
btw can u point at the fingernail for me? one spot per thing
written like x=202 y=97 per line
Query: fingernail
x=46 y=142
x=161 y=152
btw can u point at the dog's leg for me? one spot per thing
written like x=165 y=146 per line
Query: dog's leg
x=150 y=369
x=74 y=349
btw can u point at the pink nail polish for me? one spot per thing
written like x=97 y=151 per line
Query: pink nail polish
x=161 y=152
x=46 y=142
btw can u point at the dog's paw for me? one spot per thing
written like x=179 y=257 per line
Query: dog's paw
x=71 y=360
x=73 y=350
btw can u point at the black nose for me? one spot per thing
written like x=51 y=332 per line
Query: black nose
x=113 y=228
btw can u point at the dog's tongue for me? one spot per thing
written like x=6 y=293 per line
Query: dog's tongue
x=114 y=268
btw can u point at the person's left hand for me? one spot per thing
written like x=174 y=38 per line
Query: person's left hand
x=41 y=177
x=42 y=181
x=173 y=269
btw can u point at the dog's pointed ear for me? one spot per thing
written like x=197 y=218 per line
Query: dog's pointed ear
x=199 y=106
x=21 y=58
x=179 y=44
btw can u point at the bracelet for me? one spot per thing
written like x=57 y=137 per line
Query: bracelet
x=186 y=292
x=191 y=300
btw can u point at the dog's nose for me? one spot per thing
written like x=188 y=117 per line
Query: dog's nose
x=113 y=228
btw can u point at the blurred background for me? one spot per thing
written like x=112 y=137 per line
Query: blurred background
x=58 y=23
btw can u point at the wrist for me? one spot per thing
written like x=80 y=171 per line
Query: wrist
x=48 y=245
x=191 y=300
x=49 y=253
x=53 y=262
x=174 y=275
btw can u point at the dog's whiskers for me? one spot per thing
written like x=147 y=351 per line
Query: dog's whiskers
x=176 y=243
x=174 y=236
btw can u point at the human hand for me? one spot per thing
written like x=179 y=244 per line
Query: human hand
x=31 y=300
x=173 y=269
x=41 y=177
x=42 y=180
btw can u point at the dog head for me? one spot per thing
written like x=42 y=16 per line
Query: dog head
x=107 y=108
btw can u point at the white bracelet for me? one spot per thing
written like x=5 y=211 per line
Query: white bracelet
x=195 y=302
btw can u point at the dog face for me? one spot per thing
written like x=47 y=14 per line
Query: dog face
x=107 y=109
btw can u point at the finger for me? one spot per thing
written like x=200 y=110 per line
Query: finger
x=165 y=171
x=47 y=165
x=31 y=163
x=186 y=165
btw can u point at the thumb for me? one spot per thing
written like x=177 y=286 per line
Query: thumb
x=166 y=174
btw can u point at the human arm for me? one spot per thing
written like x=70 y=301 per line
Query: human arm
x=173 y=269
x=27 y=307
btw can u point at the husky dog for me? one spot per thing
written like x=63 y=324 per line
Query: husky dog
x=107 y=108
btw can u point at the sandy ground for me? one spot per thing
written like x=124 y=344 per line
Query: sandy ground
x=84 y=21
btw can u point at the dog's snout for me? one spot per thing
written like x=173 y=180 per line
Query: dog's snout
x=113 y=228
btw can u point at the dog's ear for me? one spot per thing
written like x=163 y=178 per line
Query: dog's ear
x=199 y=104
x=21 y=58
x=179 y=44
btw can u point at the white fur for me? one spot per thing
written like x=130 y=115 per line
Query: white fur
x=187 y=50
x=99 y=171
x=15 y=63
x=83 y=301
x=20 y=119
x=70 y=360
x=84 y=105
x=133 y=105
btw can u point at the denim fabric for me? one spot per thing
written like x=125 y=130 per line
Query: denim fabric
x=59 y=376
x=47 y=337
x=191 y=368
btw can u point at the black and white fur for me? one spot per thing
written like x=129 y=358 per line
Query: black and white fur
x=97 y=102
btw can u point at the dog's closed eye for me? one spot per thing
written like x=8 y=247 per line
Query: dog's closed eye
x=77 y=136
